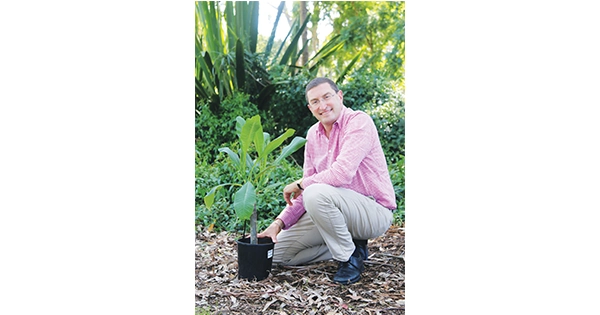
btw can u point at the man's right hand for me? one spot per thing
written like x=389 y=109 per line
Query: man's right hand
x=271 y=231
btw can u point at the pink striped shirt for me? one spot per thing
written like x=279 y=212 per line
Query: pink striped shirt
x=351 y=158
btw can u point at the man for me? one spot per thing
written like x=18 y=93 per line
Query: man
x=345 y=196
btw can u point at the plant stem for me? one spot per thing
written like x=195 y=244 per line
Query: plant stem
x=253 y=233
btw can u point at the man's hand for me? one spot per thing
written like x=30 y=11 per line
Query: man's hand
x=291 y=191
x=272 y=230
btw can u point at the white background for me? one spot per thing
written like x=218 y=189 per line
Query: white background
x=97 y=167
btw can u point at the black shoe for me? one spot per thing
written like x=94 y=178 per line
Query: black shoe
x=361 y=245
x=349 y=271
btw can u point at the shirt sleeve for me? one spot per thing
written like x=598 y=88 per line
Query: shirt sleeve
x=291 y=214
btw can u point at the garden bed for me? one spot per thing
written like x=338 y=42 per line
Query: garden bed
x=300 y=289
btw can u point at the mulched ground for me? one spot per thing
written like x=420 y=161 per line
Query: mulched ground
x=302 y=289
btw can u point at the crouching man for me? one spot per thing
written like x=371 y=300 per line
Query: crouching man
x=345 y=195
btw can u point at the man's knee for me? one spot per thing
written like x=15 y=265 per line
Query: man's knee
x=316 y=194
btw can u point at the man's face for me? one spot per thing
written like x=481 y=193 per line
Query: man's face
x=325 y=104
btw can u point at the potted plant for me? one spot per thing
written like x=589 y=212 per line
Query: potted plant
x=252 y=169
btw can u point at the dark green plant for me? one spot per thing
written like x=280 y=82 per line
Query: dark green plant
x=216 y=127
x=289 y=103
x=396 y=170
x=208 y=174
x=252 y=168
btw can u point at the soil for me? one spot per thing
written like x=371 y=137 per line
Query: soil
x=299 y=289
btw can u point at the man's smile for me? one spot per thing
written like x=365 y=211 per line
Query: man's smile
x=327 y=110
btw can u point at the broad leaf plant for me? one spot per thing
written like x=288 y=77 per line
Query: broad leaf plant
x=252 y=167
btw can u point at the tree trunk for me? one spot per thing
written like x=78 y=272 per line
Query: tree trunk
x=303 y=13
x=314 y=42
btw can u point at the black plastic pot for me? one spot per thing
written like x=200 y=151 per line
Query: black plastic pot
x=255 y=260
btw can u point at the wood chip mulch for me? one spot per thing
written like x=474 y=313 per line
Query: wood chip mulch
x=299 y=289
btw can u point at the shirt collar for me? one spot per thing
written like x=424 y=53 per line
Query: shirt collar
x=321 y=129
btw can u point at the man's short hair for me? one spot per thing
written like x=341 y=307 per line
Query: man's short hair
x=318 y=81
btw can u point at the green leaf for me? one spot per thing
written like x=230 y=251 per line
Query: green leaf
x=267 y=138
x=249 y=130
x=272 y=37
x=259 y=140
x=350 y=65
x=239 y=123
x=326 y=55
x=254 y=9
x=265 y=95
x=294 y=42
x=232 y=155
x=230 y=22
x=283 y=42
x=296 y=144
x=244 y=200
x=240 y=71
x=277 y=142
x=210 y=71
x=205 y=64
x=209 y=199
x=249 y=161
x=295 y=61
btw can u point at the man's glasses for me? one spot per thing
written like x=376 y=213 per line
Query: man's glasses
x=317 y=101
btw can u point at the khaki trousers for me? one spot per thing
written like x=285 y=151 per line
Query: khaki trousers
x=334 y=216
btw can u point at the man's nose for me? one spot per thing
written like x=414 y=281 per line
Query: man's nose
x=322 y=103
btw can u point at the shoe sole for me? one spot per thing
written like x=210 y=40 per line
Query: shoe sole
x=351 y=281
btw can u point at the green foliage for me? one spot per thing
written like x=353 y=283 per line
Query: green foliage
x=396 y=170
x=217 y=128
x=208 y=175
x=221 y=215
x=377 y=30
x=251 y=166
x=229 y=61
x=238 y=73
x=272 y=201
x=226 y=59
x=288 y=107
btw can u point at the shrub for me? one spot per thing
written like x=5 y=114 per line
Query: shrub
x=288 y=105
x=397 y=176
x=216 y=128
x=221 y=215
